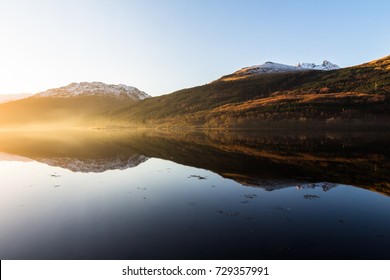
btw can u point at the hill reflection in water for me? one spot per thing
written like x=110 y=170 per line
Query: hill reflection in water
x=194 y=195
x=270 y=160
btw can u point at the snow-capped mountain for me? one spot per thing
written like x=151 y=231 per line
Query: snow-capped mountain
x=268 y=67
x=325 y=66
x=95 y=89
x=272 y=67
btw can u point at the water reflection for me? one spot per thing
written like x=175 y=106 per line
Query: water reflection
x=270 y=160
x=194 y=195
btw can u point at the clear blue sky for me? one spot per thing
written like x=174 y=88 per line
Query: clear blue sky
x=162 y=46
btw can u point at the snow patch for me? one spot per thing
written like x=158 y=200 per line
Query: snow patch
x=325 y=66
x=272 y=67
x=95 y=89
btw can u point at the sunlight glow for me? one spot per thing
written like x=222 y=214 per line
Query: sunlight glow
x=162 y=46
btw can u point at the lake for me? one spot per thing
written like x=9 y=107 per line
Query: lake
x=169 y=194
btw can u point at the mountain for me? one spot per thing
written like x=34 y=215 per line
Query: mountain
x=73 y=105
x=325 y=66
x=272 y=67
x=95 y=89
x=359 y=94
x=12 y=97
x=268 y=95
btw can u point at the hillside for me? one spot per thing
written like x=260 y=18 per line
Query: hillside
x=253 y=97
x=12 y=97
x=272 y=67
x=359 y=93
x=74 y=105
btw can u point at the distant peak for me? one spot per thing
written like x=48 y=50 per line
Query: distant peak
x=273 y=67
x=95 y=89
x=325 y=66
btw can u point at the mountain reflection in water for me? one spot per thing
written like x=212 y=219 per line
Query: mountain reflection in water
x=269 y=160
x=167 y=194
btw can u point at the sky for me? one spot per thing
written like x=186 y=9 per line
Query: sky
x=161 y=46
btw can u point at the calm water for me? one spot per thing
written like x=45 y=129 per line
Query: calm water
x=165 y=195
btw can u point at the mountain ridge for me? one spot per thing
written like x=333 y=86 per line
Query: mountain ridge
x=358 y=93
x=273 y=67
x=72 y=105
x=4 y=98
x=94 y=89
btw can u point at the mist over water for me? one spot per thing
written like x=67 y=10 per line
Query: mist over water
x=196 y=195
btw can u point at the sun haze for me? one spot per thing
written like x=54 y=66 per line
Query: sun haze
x=162 y=46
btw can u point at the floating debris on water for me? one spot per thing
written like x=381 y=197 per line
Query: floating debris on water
x=197 y=176
x=250 y=196
x=311 y=196
x=228 y=213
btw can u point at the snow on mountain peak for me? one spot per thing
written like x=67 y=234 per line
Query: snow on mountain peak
x=268 y=67
x=326 y=65
x=272 y=67
x=95 y=89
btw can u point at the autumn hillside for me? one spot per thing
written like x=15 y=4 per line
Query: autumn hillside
x=359 y=93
